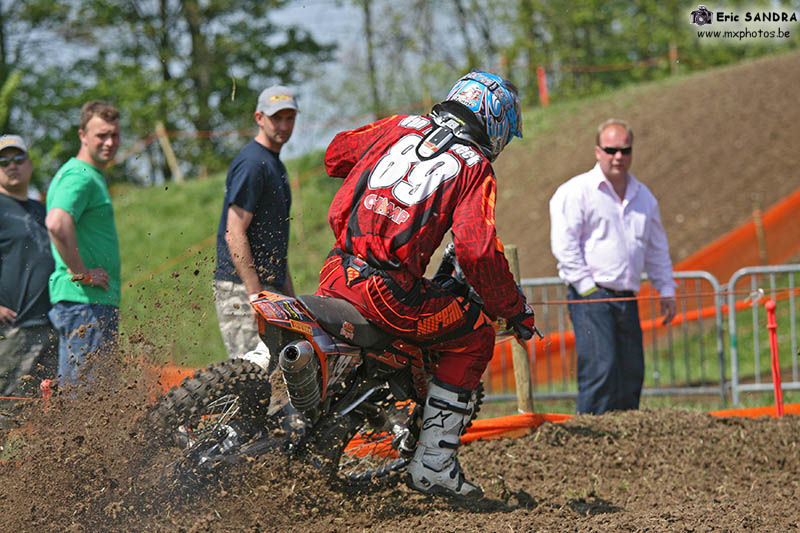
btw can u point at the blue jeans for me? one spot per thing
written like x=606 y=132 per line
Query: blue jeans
x=82 y=329
x=608 y=339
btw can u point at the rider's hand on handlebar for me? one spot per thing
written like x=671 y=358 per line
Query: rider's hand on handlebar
x=454 y=286
x=523 y=324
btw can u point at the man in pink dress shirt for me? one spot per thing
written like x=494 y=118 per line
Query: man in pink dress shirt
x=605 y=230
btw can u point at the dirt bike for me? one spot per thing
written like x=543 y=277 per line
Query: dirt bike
x=352 y=401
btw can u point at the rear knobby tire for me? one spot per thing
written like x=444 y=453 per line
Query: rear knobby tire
x=186 y=404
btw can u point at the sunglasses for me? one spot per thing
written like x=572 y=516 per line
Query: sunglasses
x=612 y=151
x=18 y=159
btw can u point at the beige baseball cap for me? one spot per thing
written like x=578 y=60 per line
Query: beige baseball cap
x=12 y=141
x=276 y=98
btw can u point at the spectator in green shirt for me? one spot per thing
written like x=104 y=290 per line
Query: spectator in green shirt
x=85 y=286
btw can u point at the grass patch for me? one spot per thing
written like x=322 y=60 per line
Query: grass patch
x=168 y=248
x=11 y=446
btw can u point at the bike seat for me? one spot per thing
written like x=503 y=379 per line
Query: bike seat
x=333 y=315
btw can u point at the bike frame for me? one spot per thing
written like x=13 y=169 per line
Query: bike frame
x=338 y=358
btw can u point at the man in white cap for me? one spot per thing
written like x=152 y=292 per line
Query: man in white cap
x=28 y=347
x=253 y=233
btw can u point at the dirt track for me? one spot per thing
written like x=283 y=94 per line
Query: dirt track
x=94 y=469
x=709 y=147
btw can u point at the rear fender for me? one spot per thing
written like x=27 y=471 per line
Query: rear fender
x=284 y=319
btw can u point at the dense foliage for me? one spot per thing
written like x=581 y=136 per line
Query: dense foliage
x=196 y=65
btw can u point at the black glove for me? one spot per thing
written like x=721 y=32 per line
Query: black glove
x=453 y=286
x=523 y=323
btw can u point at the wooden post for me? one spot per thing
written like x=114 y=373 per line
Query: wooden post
x=169 y=154
x=760 y=237
x=519 y=354
x=673 y=58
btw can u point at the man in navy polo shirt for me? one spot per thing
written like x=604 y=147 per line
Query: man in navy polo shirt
x=253 y=234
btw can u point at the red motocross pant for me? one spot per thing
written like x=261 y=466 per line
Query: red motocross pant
x=424 y=314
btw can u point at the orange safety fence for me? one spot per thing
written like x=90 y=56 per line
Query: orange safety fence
x=775 y=242
x=509 y=426
x=757 y=412
x=171 y=375
x=519 y=425
x=500 y=374
x=740 y=247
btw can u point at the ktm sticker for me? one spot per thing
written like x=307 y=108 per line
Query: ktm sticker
x=348 y=331
x=302 y=327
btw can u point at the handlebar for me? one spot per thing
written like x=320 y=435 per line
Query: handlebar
x=512 y=333
x=450 y=275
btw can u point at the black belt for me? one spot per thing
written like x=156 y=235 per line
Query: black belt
x=366 y=271
x=619 y=294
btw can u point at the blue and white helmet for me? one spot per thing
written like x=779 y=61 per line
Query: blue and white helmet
x=495 y=103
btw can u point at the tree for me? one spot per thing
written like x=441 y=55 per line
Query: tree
x=369 y=42
x=196 y=65
x=412 y=52
x=27 y=33
x=6 y=90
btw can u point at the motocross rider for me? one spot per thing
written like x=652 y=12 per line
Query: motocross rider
x=408 y=180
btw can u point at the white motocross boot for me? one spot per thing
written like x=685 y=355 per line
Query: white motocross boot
x=260 y=356
x=435 y=468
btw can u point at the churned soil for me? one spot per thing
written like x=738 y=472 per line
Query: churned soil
x=711 y=147
x=90 y=464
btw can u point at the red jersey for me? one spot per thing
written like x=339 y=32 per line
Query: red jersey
x=394 y=209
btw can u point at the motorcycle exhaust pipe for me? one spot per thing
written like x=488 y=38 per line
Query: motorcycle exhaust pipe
x=300 y=368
